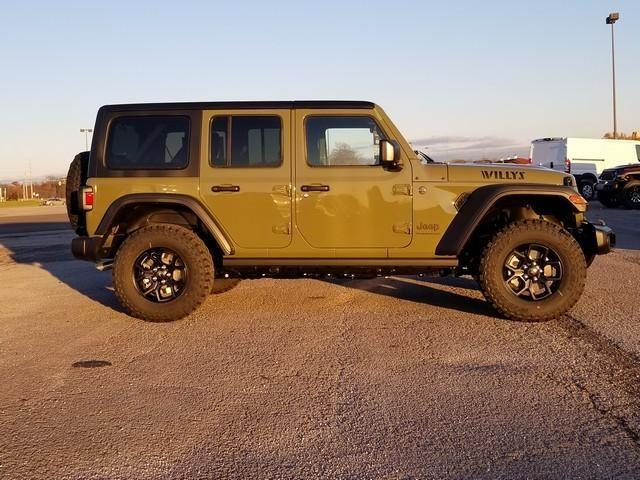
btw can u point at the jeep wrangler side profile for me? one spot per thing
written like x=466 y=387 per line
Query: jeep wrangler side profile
x=185 y=199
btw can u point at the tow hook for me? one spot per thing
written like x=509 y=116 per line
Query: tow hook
x=105 y=265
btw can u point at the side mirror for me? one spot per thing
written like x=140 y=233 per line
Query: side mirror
x=390 y=154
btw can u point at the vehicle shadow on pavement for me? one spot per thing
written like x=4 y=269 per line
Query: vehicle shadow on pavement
x=51 y=253
x=426 y=291
x=86 y=280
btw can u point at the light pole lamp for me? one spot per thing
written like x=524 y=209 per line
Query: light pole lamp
x=86 y=132
x=611 y=19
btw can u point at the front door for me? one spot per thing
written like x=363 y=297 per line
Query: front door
x=344 y=198
x=246 y=180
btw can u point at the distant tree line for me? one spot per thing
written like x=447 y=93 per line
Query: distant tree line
x=50 y=187
x=623 y=136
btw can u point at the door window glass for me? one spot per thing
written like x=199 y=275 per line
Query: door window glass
x=343 y=141
x=246 y=141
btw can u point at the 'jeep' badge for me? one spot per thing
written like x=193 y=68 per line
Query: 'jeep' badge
x=502 y=175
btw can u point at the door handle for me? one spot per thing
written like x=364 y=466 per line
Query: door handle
x=225 y=188
x=314 y=188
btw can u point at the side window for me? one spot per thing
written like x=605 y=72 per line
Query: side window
x=638 y=152
x=246 y=141
x=148 y=143
x=333 y=141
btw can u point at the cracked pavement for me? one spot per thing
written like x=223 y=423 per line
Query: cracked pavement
x=397 y=377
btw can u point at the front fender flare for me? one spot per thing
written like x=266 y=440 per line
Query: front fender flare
x=481 y=201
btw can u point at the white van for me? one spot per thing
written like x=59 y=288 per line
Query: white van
x=584 y=158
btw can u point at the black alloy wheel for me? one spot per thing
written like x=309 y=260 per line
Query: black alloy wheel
x=533 y=272
x=160 y=275
x=631 y=196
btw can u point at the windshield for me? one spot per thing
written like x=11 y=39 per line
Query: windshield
x=423 y=157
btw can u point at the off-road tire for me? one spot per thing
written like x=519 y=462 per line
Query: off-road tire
x=76 y=177
x=221 y=285
x=631 y=195
x=587 y=189
x=522 y=232
x=193 y=252
x=609 y=200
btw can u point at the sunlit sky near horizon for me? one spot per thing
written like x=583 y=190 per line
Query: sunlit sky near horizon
x=466 y=79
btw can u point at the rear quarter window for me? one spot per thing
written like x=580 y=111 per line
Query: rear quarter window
x=148 y=143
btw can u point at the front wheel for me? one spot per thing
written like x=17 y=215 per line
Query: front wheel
x=162 y=272
x=532 y=271
x=631 y=196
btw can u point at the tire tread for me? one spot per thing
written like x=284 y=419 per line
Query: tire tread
x=192 y=243
x=490 y=291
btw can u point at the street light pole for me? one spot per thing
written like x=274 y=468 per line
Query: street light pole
x=611 y=19
x=86 y=132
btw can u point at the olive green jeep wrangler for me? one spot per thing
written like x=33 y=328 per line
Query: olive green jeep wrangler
x=186 y=199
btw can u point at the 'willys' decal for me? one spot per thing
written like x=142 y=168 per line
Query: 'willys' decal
x=502 y=175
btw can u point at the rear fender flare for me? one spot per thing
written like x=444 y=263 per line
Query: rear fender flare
x=165 y=201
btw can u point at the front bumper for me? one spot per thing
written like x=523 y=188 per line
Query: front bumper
x=606 y=186
x=596 y=239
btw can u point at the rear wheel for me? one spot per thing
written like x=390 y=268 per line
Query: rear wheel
x=609 y=200
x=587 y=189
x=532 y=271
x=631 y=196
x=162 y=272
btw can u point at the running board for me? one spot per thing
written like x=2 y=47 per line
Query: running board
x=340 y=262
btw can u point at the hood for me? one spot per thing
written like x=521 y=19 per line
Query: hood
x=631 y=167
x=504 y=173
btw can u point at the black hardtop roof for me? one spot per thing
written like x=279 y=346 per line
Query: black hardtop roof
x=240 y=105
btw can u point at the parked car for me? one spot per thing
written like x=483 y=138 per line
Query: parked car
x=584 y=158
x=620 y=186
x=53 y=201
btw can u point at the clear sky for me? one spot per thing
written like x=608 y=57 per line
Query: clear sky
x=482 y=77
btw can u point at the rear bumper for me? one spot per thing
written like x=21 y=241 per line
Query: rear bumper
x=87 y=248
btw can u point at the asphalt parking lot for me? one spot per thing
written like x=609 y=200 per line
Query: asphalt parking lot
x=392 y=378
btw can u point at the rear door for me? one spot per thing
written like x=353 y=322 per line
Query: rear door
x=246 y=180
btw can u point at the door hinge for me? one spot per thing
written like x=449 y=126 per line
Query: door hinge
x=402 y=189
x=282 y=189
x=282 y=229
x=402 y=228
